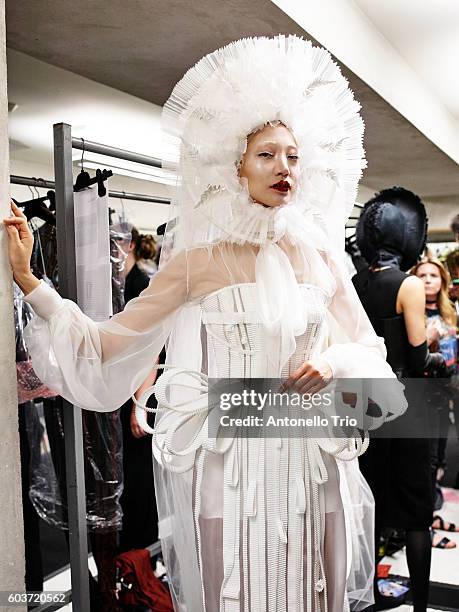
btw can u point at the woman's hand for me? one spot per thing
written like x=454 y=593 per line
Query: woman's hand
x=136 y=430
x=433 y=335
x=311 y=377
x=20 y=245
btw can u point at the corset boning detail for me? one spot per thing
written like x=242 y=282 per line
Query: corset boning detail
x=235 y=334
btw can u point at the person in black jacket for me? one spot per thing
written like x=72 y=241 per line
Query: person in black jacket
x=140 y=517
x=142 y=248
x=391 y=235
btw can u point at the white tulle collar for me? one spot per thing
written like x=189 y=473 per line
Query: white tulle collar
x=237 y=218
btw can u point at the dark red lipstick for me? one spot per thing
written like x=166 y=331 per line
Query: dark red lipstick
x=282 y=186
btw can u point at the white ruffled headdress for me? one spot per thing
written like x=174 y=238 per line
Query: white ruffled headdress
x=220 y=101
x=232 y=92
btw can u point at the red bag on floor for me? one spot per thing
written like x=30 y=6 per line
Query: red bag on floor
x=139 y=585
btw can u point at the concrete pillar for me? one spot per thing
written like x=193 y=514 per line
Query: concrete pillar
x=11 y=527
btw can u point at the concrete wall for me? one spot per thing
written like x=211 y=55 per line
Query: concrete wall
x=11 y=532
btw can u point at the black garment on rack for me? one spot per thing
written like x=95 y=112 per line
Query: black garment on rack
x=102 y=544
x=101 y=478
x=33 y=561
x=117 y=278
x=398 y=469
x=28 y=386
x=47 y=237
x=136 y=281
x=140 y=516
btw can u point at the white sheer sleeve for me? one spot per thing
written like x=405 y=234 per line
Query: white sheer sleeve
x=97 y=366
x=354 y=351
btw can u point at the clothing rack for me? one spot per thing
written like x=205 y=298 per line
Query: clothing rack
x=65 y=224
x=121 y=195
x=31 y=181
x=95 y=147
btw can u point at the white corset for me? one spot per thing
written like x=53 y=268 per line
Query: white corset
x=236 y=338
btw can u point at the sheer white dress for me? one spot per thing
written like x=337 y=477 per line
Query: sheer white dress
x=246 y=524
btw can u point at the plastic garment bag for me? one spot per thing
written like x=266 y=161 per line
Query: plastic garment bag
x=29 y=386
x=103 y=478
x=101 y=432
x=120 y=239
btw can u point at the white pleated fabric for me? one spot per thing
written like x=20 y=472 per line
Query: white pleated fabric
x=246 y=524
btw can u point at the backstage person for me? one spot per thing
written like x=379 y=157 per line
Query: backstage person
x=391 y=235
x=140 y=518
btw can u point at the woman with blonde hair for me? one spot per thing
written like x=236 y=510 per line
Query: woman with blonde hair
x=441 y=337
x=437 y=298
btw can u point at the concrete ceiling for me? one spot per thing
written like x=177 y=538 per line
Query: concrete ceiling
x=426 y=34
x=143 y=47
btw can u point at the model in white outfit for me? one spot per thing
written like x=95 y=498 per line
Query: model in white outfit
x=251 y=288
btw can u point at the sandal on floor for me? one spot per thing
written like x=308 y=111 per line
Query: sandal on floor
x=443 y=544
x=451 y=526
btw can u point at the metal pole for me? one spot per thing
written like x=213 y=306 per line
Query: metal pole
x=32 y=182
x=95 y=147
x=139 y=197
x=74 y=459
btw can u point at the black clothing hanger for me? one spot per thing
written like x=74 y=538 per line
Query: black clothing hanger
x=161 y=229
x=37 y=208
x=52 y=200
x=84 y=180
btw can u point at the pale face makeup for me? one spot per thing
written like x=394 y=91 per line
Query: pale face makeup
x=270 y=166
x=430 y=276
